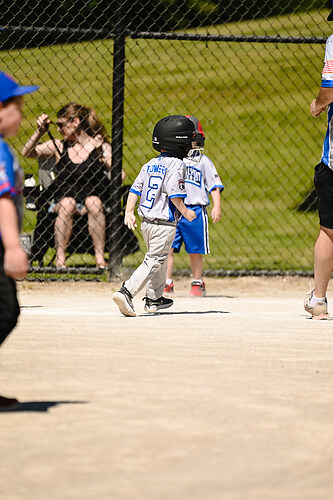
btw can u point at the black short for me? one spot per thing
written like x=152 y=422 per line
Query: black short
x=323 y=181
x=9 y=307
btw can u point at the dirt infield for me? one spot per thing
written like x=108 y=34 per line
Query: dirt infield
x=229 y=397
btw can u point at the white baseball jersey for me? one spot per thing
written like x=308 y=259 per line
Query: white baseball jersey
x=201 y=178
x=327 y=81
x=160 y=180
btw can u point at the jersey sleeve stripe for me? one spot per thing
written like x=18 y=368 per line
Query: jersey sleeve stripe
x=219 y=186
x=177 y=196
x=138 y=193
x=327 y=83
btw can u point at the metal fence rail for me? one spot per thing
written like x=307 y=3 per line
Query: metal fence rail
x=247 y=75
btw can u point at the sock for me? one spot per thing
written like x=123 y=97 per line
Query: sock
x=198 y=281
x=315 y=299
x=168 y=281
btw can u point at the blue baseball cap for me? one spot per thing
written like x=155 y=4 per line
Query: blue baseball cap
x=10 y=88
x=330 y=16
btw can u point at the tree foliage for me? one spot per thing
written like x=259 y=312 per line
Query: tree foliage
x=132 y=15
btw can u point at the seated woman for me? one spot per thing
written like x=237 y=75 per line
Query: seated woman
x=80 y=184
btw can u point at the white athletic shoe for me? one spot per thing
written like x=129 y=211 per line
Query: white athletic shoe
x=317 y=310
x=123 y=299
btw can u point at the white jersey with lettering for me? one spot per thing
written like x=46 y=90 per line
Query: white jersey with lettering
x=160 y=180
x=201 y=178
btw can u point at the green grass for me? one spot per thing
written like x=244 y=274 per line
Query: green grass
x=253 y=101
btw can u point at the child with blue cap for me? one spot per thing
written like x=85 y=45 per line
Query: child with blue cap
x=13 y=259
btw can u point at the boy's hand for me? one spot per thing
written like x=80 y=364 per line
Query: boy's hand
x=16 y=262
x=130 y=220
x=216 y=214
x=189 y=215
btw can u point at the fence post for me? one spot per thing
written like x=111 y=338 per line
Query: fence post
x=115 y=257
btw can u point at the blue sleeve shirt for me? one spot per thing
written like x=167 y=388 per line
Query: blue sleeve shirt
x=11 y=178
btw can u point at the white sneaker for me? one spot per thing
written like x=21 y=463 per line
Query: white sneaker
x=123 y=299
x=317 y=310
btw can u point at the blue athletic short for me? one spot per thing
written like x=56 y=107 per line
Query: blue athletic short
x=194 y=234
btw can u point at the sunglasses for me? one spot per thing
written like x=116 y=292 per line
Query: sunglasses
x=61 y=125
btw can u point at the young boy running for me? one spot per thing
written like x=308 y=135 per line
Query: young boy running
x=161 y=188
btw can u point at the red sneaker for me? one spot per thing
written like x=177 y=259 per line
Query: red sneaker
x=168 y=289
x=8 y=403
x=198 y=289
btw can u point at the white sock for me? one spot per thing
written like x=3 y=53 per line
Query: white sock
x=315 y=299
x=168 y=281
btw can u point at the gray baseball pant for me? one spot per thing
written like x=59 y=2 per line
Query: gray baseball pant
x=152 y=271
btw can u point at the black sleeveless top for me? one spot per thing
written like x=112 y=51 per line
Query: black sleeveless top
x=80 y=180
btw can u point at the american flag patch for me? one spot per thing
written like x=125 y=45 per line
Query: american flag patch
x=328 y=68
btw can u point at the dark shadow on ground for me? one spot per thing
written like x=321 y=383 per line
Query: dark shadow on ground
x=30 y=307
x=41 y=406
x=175 y=313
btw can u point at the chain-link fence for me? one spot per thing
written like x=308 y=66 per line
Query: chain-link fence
x=247 y=70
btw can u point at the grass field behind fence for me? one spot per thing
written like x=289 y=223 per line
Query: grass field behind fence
x=253 y=101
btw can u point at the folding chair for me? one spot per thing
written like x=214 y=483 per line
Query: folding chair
x=80 y=241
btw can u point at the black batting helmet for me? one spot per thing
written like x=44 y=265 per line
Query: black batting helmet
x=174 y=134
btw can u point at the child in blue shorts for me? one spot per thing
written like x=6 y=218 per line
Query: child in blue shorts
x=201 y=179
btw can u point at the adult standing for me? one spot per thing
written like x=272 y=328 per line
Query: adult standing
x=315 y=301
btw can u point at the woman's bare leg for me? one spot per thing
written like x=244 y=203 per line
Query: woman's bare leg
x=96 y=225
x=65 y=210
